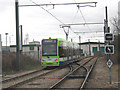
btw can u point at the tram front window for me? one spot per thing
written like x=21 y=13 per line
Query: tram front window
x=49 y=49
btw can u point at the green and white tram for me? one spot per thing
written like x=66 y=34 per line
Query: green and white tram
x=58 y=52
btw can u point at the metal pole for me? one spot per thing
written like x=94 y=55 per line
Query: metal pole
x=20 y=39
x=6 y=40
x=71 y=40
x=106 y=19
x=106 y=28
x=66 y=36
x=110 y=80
x=21 y=34
x=106 y=14
x=67 y=33
x=80 y=41
x=17 y=35
x=99 y=45
x=89 y=47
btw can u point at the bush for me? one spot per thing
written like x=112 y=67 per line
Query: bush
x=9 y=62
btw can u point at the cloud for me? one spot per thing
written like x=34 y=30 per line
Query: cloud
x=40 y=24
x=5 y=4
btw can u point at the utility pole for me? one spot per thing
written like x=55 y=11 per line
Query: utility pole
x=6 y=40
x=17 y=34
x=89 y=47
x=106 y=28
x=99 y=46
x=80 y=41
x=71 y=40
x=20 y=38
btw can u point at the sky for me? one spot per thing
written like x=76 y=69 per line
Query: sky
x=38 y=23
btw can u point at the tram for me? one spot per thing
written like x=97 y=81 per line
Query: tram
x=58 y=52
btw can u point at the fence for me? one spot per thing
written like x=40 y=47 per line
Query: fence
x=33 y=54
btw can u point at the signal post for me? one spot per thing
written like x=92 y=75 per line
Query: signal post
x=109 y=49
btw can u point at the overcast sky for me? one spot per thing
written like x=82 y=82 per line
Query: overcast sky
x=39 y=24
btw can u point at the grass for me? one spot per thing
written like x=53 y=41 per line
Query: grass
x=26 y=63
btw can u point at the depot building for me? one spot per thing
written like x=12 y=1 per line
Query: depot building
x=92 y=48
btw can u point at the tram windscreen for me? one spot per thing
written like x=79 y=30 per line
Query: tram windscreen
x=49 y=47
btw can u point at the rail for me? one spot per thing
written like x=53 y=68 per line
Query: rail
x=65 y=77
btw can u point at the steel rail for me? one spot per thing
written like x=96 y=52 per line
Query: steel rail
x=88 y=74
x=35 y=77
x=21 y=76
x=28 y=80
x=56 y=84
x=26 y=74
x=32 y=78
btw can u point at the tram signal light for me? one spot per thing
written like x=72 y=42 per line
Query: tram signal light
x=109 y=49
x=109 y=37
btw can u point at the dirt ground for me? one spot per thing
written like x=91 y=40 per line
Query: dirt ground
x=99 y=78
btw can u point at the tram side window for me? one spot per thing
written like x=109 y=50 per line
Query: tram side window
x=61 y=52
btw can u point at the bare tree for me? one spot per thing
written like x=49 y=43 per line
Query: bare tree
x=115 y=22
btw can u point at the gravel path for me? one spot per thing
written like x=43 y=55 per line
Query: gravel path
x=100 y=76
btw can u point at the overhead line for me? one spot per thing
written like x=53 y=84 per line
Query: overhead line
x=59 y=4
x=48 y=12
x=81 y=24
x=82 y=14
x=89 y=32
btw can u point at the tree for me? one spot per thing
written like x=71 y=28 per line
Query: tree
x=116 y=42
x=114 y=22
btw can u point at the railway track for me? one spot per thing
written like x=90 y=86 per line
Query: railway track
x=59 y=84
x=88 y=74
x=20 y=81
x=22 y=75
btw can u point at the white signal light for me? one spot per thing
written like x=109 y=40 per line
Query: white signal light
x=43 y=60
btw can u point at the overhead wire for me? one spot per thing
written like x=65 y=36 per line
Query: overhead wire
x=52 y=15
x=57 y=18
x=83 y=17
x=47 y=12
x=75 y=16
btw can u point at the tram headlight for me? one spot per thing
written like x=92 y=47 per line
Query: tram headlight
x=43 y=60
x=56 y=60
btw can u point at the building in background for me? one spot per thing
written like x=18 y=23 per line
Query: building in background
x=34 y=42
x=92 y=48
x=32 y=49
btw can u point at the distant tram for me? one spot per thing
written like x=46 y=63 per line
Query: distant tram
x=58 y=52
